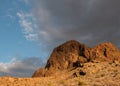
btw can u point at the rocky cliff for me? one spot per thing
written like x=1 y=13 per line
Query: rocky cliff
x=73 y=54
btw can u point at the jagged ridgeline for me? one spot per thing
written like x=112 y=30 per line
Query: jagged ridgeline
x=73 y=54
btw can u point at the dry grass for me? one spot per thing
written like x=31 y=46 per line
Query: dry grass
x=97 y=74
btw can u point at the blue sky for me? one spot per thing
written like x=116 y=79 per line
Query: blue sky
x=13 y=43
x=14 y=46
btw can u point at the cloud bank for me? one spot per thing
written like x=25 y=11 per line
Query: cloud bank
x=20 y=68
x=89 y=21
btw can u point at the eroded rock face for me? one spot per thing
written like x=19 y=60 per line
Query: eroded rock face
x=73 y=54
x=105 y=52
x=66 y=54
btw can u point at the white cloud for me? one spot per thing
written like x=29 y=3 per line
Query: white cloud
x=4 y=67
x=26 y=21
x=32 y=37
x=20 y=68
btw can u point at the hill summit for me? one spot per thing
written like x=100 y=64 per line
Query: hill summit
x=73 y=54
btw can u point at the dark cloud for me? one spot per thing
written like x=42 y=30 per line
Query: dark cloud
x=21 y=68
x=89 y=21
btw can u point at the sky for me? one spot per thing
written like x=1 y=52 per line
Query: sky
x=15 y=47
x=30 y=29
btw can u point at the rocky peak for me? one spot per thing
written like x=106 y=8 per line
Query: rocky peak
x=66 y=54
x=106 y=52
x=72 y=54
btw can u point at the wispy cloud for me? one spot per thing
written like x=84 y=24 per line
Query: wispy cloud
x=27 y=23
x=21 y=68
x=11 y=16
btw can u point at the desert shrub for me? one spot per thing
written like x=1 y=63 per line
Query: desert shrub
x=49 y=84
x=63 y=83
x=81 y=83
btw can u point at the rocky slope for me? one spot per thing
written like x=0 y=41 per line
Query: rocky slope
x=73 y=54
x=91 y=74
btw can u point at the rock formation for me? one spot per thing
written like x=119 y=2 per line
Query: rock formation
x=105 y=52
x=74 y=54
x=65 y=55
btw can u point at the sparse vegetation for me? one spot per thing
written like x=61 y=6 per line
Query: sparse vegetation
x=49 y=84
x=62 y=82
x=81 y=83
x=99 y=75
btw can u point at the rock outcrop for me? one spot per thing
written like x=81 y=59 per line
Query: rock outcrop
x=65 y=55
x=105 y=52
x=73 y=54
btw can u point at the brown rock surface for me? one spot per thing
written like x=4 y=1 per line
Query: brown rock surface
x=66 y=54
x=64 y=57
x=72 y=54
x=105 y=52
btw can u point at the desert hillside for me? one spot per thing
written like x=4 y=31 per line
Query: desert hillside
x=75 y=64
x=92 y=74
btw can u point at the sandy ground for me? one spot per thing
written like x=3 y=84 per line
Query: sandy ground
x=97 y=74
